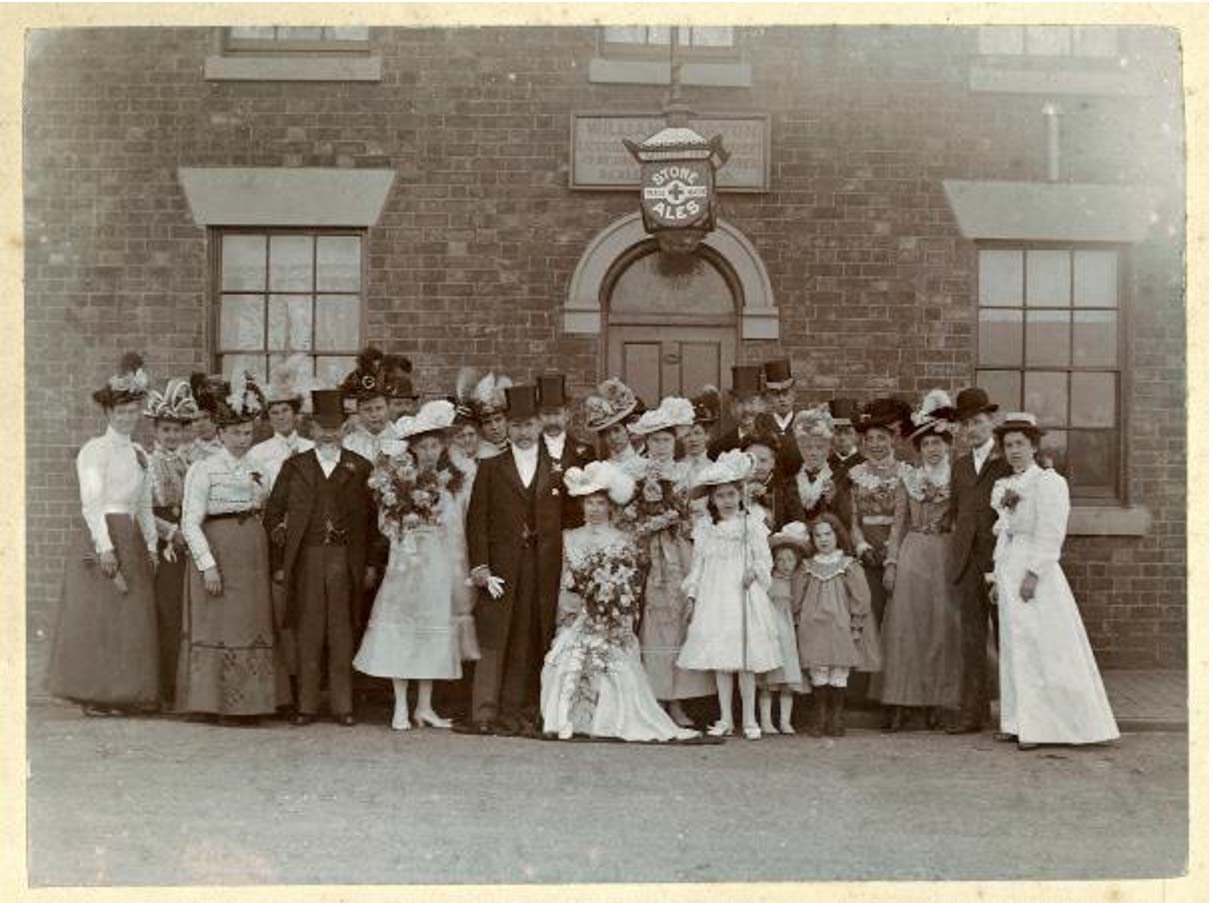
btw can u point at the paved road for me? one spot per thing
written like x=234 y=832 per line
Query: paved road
x=163 y=802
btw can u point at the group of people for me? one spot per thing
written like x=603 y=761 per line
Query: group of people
x=837 y=552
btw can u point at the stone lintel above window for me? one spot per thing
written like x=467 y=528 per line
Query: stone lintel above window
x=274 y=196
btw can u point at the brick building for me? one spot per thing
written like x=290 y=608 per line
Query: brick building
x=906 y=207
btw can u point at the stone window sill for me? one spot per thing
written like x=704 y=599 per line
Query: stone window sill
x=1096 y=520
x=603 y=70
x=293 y=68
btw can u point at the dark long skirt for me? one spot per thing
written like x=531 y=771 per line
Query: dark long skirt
x=105 y=645
x=226 y=662
x=170 y=587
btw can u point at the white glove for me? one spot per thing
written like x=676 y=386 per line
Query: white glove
x=495 y=586
x=168 y=553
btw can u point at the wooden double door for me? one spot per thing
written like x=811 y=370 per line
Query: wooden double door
x=656 y=361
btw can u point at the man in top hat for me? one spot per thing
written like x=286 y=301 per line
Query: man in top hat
x=564 y=450
x=322 y=503
x=780 y=404
x=845 y=454
x=748 y=409
x=514 y=550
x=970 y=555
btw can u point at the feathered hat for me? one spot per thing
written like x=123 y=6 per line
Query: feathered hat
x=130 y=383
x=207 y=389
x=707 y=405
x=434 y=416
x=600 y=476
x=672 y=414
x=814 y=421
x=732 y=466
x=464 y=405
x=611 y=403
x=367 y=380
x=241 y=404
x=289 y=381
x=397 y=377
x=176 y=404
x=488 y=396
x=935 y=416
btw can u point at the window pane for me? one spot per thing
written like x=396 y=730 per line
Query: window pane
x=1054 y=451
x=252 y=32
x=1004 y=387
x=330 y=371
x=242 y=323
x=712 y=37
x=626 y=34
x=289 y=323
x=658 y=34
x=1094 y=399
x=337 y=323
x=1046 y=396
x=338 y=263
x=235 y=365
x=1000 y=338
x=1048 y=338
x=307 y=33
x=1095 y=278
x=348 y=33
x=646 y=287
x=1048 y=40
x=1000 y=39
x=1048 y=278
x=1001 y=278
x=290 y=263
x=243 y=263
x=1095 y=40
x=1094 y=460
x=1095 y=338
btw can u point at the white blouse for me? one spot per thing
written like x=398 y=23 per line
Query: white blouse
x=370 y=445
x=114 y=479
x=220 y=484
x=273 y=452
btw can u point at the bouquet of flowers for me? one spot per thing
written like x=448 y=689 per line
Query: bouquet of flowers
x=658 y=506
x=610 y=582
x=407 y=497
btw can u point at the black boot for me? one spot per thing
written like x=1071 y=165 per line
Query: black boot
x=818 y=712
x=837 y=713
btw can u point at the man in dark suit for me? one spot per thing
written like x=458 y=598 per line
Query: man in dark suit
x=748 y=410
x=322 y=502
x=780 y=407
x=514 y=549
x=845 y=453
x=563 y=449
x=970 y=555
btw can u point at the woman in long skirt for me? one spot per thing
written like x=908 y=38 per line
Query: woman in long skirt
x=226 y=665
x=1051 y=691
x=104 y=653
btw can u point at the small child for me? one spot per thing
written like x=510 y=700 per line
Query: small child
x=789 y=546
x=733 y=630
x=833 y=616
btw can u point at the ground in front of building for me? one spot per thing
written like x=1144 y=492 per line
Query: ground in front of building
x=159 y=801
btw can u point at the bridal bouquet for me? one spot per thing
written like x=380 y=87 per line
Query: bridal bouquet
x=407 y=497
x=658 y=506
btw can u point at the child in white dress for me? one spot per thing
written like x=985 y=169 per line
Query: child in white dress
x=733 y=629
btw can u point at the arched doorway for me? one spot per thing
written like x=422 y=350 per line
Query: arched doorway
x=671 y=321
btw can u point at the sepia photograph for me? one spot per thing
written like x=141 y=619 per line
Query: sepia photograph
x=648 y=445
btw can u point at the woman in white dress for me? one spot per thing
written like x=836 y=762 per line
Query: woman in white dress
x=593 y=681
x=1051 y=691
x=411 y=634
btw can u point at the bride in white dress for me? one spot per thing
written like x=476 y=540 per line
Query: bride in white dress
x=614 y=698
x=1051 y=691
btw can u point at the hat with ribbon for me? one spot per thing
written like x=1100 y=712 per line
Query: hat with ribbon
x=793 y=534
x=242 y=403
x=177 y=404
x=130 y=383
x=935 y=416
x=600 y=476
x=732 y=466
x=611 y=403
x=1020 y=422
x=672 y=414
x=434 y=417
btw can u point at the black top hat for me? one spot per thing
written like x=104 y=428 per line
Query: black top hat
x=707 y=405
x=521 y=402
x=551 y=391
x=843 y=411
x=746 y=381
x=973 y=401
x=778 y=374
x=327 y=408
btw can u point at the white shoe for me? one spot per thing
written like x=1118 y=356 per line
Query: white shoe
x=431 y=719
x=786 y=729
x=400 y=722
x=721 y=729
x=768 y=727
x=753 y=732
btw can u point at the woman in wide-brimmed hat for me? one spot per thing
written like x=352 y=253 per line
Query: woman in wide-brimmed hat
x=606 y=413
x=104 y=653
x=1051 y=691
x=227 y=665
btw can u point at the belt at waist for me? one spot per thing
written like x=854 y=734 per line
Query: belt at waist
x=238 y=516
x=117 y=509
x=878 y=520
x=319 y=542
x=167 y=512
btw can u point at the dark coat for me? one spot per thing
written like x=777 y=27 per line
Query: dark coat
x=793 y=507
x=289 y=511
x=972 y=538
x=790 y=458
x=576 y=454
x=496 y=516
x=841 y=468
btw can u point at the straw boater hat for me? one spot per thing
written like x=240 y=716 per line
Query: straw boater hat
x=707 y=405
x=177 y=404
x=488 y=396
x=434 y=417
x=777 y=374
x=815 y=421
x=732 y=466
x=843 y=411
x=600 y=476
x=793 y=534
x=935 y=417
x=1020 y=422
x=612 y=403
x=130 y=383
x=367 y=380
x=241 y=404
x=673 y=415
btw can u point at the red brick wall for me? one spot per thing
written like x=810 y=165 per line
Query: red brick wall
x=471 y=260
